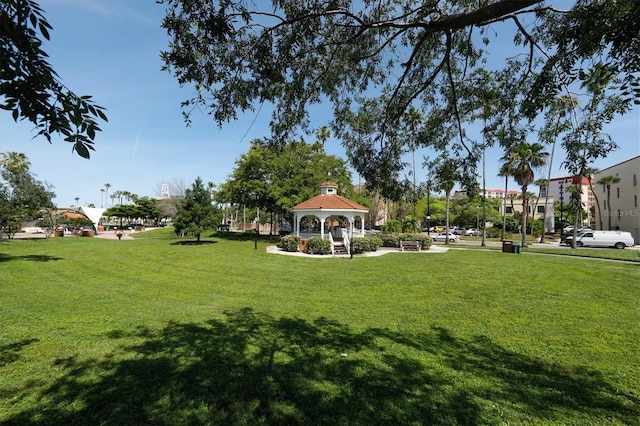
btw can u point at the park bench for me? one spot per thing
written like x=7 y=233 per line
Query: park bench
x=409 y=246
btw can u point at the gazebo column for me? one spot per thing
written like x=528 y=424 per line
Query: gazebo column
x=323 y=217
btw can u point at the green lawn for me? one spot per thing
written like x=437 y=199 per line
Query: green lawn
x=157 y=331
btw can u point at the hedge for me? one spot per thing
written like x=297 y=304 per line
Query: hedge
x=319 y=246
x=289 y=243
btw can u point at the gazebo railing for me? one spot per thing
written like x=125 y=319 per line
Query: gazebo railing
x=346 y=241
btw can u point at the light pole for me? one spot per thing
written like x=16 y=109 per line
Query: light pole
x=477 y=218
x=561 y=218
x=428 y=207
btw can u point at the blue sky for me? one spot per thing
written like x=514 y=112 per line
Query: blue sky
x=111 y=49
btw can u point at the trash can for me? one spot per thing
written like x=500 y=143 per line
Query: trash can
x=507 y=246
x=516 y=248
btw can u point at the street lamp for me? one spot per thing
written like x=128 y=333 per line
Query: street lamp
x=428 y=207
x=561 y=218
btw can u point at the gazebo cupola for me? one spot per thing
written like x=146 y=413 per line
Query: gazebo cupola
x=328 y=188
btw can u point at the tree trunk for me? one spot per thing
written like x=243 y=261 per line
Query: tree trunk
x=504 y=207
x=524 y=216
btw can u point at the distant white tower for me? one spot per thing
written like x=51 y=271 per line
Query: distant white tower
x=164 y=191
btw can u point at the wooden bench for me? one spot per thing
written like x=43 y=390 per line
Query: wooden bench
x=409 y=246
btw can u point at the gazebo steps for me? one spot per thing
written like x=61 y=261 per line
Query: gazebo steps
x=340 y=249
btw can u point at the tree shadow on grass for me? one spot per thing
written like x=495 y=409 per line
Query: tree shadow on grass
x=29 y=258
x=11 y=352
x=250 y=368
x=193 y=243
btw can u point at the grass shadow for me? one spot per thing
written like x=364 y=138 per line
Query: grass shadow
x=252 y=368
x=193 y=243
x=243 y=236
x=11 y=352
x=29 y=258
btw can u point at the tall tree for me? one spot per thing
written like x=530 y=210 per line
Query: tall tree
x=523 y=159
x=505 y=171
x=557 y=120
x=30 y=87
x=196 y=214
x=106 y=195
x=374 y=60
x=447 y=173
x=413 y=118
x=22 y=196
x=588 y=173
x=275 y=180
x=607 y=181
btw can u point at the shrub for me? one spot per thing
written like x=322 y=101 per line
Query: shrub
x=390 y=240
x=289 y=243
x=319 y=246
x=374 y=242
x=411 y=225
x=359 y=245
x=392 y=225
x=495 y=232
x=366 y=243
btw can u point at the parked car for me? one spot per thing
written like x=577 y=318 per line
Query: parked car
x=569 y=229
x=617 y=239
x=458 y=231
x=442 y=237
x=473 y=232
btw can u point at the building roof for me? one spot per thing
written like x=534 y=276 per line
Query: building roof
x=616 y=165
x=329 y=202
x=575 y=180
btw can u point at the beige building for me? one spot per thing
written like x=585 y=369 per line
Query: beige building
x=623 y=213
x=559 y=190
x=536 y=205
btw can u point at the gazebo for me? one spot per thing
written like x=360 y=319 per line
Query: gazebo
x=329 y=216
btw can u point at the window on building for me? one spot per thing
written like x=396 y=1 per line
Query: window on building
x=618 y=215
x=528 y=209
x=543 y=191
x=540 y=209
x=618 y=192
x=635 y=180
x=509 y=210
x=635 y=201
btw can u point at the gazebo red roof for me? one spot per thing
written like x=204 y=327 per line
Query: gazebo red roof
x=329 y=202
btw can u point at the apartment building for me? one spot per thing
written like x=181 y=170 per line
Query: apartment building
x=623 y=213
x=559 y=189
x=535 y=205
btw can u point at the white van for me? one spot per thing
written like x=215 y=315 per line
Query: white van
x=617 y=239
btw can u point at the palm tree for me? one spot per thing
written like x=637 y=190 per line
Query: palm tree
x=523 y=159
x=14 y=161
x=101 y=197
x=588 y=173
x=562 y=106
x=413 y=119
x=540 y=183
x=106 y=195
x=323 y=134
x=607 y=181
x=504 y=171
x=77 y=199
x=447 y=175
